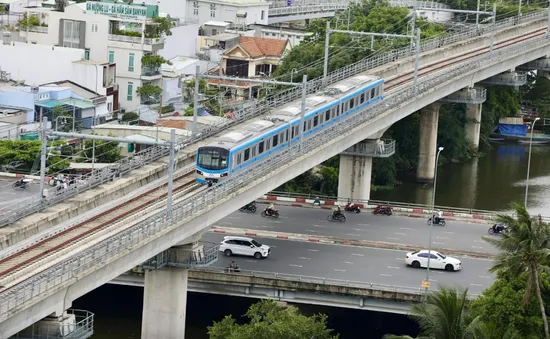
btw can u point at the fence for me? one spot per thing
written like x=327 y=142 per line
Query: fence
x=82 y=328
x=24 y=208
x=103 y=253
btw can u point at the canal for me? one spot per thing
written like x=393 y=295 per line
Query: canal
x=490 y=182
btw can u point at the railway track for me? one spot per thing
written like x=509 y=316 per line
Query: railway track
x=19 y=266
x=395 y=82
x=13 y=266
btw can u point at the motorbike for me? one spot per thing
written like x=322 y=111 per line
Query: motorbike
x=20 y=184
x=492 y=230
x=352 y=208
x=441 y=222
x=386 y=210
x=248 y=208
x=272 y=213
x=232 y=269
x=340 y=217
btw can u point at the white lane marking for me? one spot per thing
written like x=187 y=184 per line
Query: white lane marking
x=480 y=241
x=323 y=220
x=347 y=262
x=353 y=234
x=273 y=246
x=312 y=231
x=385 y=275
x=358 y=254
x=312 y=250
x=283 y=217
x=438 y=243
x=337 y=270
x=321 y=226
x=263 y=226
x=233 y=217
x=442 y=238
x=304 y=258
x=254 y=261
x=484 y=277
x=392 y=238
x=275 y=222
x=294 y=265
x=400 y=258
x=405 y=228
x=363 y=224
x=433 y=280
x=226 y=223
x=358 y=229
x=393 y=267
x=448 y=232
x=476 y=247
x=476 y=285
x=396 y=233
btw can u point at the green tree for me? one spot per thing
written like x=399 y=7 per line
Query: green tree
x=65 y=125
x=31 y=22
x=271 y=320
x=208 y=97
x=444 y=315
x=129 y=116
x=28 y=151
x=160 y=27
x=524 y=250
x=105 y=151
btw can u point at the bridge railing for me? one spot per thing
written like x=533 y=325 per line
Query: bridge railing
x=12 y=213
x=324 y=281
x=83 y=328
x=135 y=236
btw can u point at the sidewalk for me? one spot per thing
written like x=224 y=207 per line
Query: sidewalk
x=340 y=241
x=407 y=212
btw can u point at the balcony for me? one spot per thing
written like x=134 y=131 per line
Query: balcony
x=472 y=96
x=200 y=255
x=383 y=148
x=150 y=73
x=134 y=42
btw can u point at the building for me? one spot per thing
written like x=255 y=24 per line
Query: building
x=113 y=32
x=284 y=32
x=236 y=11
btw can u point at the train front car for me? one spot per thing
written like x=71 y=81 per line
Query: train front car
x=212 y=164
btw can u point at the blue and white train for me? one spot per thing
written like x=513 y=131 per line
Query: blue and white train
x=250 y=142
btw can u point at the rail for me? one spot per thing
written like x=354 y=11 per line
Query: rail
x=103 y=253
x=345 y=3
x=82 y=328
x=324 y=281
x=14 y=212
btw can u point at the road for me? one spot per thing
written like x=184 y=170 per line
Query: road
x=356 y=263
x=10 y=195
x=457 y=235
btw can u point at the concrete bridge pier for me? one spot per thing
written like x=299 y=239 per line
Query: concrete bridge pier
x=429 y=118
x=354 y=176
x=473 y=124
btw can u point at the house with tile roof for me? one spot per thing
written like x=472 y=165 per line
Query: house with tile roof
x=252 y=57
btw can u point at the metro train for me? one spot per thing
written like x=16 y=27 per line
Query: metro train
x=250 y=142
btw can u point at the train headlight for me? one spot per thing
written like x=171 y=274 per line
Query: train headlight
x=199 y=172
x=223 y=175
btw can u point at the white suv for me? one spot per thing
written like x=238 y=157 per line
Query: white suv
x=244 y=246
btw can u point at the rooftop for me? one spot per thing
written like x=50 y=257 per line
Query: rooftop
x=222 y=37
x=179 y=132
x=258 y=47
x=217 y=23
x=91 y=62
x=75 y=88
x=78 y=103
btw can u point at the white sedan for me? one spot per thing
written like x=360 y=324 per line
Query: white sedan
x=437 y=260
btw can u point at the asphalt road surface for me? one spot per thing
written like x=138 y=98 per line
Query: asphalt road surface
x=356 y=264
x=10 y=195
x=457 y=235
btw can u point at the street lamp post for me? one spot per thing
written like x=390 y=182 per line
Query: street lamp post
x=529 y=161
x=432 y=219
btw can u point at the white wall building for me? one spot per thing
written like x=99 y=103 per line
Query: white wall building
x=236 y=11
x=294 y=35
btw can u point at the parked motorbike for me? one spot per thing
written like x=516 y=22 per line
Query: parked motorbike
x=440 y=222
x=272 y=213
x=498 y=229
x=352 y=208
x=249 y=208
x=386 y=210
x=337 y=217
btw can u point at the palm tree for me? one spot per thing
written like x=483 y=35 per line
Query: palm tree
x=444 y=316
x=524 y=249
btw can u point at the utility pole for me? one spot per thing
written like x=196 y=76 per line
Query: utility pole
x=417 y=58
x=413 y=23
x=74 y=115
x=159 y=115
x=477 y=14
x=196 y=100
x=493 y=29
x=303 y=109
x=93 y=155
x=171 y=173
x=325 y=62
x=43 y=150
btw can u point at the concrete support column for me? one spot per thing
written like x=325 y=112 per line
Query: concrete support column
x=473 y=125
x=354 y=177
x=164 y=304
x=544 y=74
x=54 y=325
x=429 y=117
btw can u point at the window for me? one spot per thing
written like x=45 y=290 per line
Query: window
x=362 y=97
x=372 y=93
x=213 y=158
x=275 y=140
x=315 y=121
x=111 y=57
x=262 y=15
x=131 y=62
x=95 y=28
x=87 y=54
x=255 y=243
x=351 y=103
x=261 y=147
x=195 y=8
x=246 y=154
x=130 y=91
x=109 y=106
x=71 y=34
x=327 y=115
x=212 y=10
x=239 y=158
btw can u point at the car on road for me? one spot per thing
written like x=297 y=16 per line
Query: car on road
x=437 y=260
x=232 y=245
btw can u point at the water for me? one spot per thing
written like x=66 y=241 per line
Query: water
x=490 y=182
x=118 y=315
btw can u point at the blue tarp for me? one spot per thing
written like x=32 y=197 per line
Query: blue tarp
x=517 y=130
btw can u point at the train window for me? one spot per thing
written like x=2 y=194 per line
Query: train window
x=305 y=125
x=267 y=145
x=362 y=97
x=246 y=154
x=275 y=140
x=292 y=135
x=261 y=147
x=372 y=93
x=315 y=121
x=213 y=158
x=286 y=137
x=351 y=103
x=309 y=124
x=338 y=110
x=296 y=131
x=327 y=115
x=253 y=151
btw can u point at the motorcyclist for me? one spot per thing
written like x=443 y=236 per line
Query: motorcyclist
x=497 y=228
x=270 y=209
x=20 y=182
x=250 y=205
x=233 y=267
x=337 y=211
x=437 y=217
